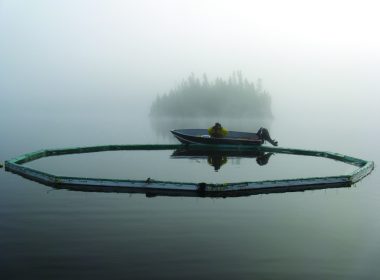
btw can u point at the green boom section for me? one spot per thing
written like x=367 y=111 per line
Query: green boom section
x=200 y=188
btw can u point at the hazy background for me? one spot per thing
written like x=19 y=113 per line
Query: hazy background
x=118 y=54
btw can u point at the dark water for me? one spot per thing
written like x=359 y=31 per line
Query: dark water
x=61 y=234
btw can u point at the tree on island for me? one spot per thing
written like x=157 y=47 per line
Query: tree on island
x=236 y=97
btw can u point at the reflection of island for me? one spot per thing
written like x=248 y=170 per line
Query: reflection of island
x=217 y=158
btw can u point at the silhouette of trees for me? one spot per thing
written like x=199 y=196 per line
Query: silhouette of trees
x=236 y=97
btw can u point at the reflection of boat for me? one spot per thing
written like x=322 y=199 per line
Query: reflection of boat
x=200 y=136
x=217 y=158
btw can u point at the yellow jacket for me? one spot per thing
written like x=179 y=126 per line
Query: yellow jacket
x=217 y=132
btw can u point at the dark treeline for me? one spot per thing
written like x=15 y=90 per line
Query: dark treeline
x=236 y=97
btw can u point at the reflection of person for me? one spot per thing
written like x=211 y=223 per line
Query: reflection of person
x=217 y=161
x=217 y=131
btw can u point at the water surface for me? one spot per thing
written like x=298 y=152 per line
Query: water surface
x=61 y=234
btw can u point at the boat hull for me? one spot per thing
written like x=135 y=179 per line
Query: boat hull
x=200 y=136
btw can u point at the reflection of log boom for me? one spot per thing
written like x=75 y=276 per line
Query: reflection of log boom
x=153 y=187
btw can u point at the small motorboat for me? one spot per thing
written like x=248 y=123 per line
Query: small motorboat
x=201 y=136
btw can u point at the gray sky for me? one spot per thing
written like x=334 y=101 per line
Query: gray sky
x=303 y=50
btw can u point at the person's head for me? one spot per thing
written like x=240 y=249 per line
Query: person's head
x=218 y=125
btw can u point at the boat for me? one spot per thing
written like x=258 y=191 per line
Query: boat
x=201 y=136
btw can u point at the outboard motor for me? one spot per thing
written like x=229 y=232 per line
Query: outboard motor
x=263 y=134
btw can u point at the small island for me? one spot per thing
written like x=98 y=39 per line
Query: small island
x=235 y=97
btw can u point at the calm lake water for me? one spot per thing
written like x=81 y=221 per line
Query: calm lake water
x=60 y=234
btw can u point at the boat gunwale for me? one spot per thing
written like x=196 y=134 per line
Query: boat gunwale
x=224 y=140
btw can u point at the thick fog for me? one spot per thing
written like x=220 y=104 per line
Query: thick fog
x=313 y=56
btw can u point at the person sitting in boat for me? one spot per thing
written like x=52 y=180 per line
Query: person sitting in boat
x=263 y=134
x=217 y=131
